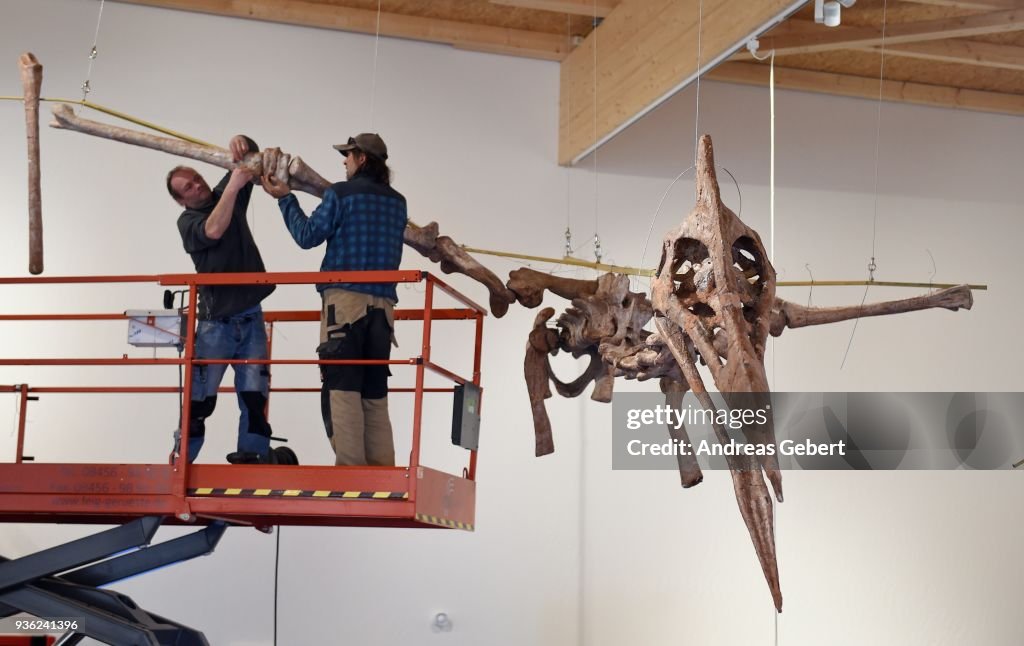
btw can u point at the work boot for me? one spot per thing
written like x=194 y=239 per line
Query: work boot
x=247 y=457
x=283 y=455
x=279 y=455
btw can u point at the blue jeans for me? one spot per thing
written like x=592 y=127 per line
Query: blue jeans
x=242 y=336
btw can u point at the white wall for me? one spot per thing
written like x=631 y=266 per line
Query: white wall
x=864 y=557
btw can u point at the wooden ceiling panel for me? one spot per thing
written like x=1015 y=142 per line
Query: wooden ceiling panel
x=866 y=64
x=356 y=16
x=592 y=8
x=1012 y=38
x=868 y=13
x=477 y=12
x=973 y=4
x=868 y=88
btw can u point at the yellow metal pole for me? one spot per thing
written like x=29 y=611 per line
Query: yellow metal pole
x=568 y=260
x=634 y=271
x=120 y=115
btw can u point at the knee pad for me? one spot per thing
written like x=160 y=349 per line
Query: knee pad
x=201 y=409
x=256 y=404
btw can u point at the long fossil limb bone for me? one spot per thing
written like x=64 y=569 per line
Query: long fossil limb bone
x=791 y=315
x=302 y=177
x=31 y=82
x=425 y=240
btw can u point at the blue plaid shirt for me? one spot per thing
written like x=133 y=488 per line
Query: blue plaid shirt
x=363 y=223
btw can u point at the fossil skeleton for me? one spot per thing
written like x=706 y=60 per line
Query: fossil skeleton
x=712 y=302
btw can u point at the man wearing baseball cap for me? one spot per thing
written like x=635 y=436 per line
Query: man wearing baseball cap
x=363 y=221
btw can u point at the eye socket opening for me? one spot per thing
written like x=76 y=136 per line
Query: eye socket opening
x=748 y=259
x=686 y=254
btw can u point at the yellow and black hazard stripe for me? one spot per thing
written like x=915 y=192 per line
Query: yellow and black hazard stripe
x=301 y=493
x=444 y=522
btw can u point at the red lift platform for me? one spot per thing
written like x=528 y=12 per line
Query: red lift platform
x=141 y=497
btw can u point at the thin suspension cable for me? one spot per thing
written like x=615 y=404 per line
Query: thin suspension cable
x=93 y=53
x=771 y=172
x=661 y=202
x=771 y=218
x=373 y=82
x=696 y=119
x=568 y=173
x=597 y=238
x=878 y=129
x=696 y=140
x=771 y=259
x=874 y=218
x=856 y=322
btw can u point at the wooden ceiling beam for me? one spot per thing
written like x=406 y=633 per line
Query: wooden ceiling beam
x=644 y=52
x=329 y=16
x=961 y=51
x=867 y=88
x=860 y=37
x=979 y=5
x=576 y=7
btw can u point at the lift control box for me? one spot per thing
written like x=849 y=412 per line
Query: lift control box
x=466 y=417
x=155 y=328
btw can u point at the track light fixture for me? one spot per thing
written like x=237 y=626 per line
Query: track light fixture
x=828 y=12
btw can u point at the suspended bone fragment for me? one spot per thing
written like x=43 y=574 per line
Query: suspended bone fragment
x=690 y=474
x=31 y=84
x=535 y=368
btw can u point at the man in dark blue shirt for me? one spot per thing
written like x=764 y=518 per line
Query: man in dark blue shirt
x=363 y=222
x=216 y=235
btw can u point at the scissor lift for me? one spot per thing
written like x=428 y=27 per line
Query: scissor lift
x=64 y=581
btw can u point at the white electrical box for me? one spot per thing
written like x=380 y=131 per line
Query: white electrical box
x=154 y=328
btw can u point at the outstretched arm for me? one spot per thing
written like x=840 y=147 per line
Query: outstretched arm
x=309 y=231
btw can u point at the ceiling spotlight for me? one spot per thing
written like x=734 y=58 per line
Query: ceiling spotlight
x=828 y=12
x=831 y=13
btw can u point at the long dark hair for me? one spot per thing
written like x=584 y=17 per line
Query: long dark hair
x=377 y=169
